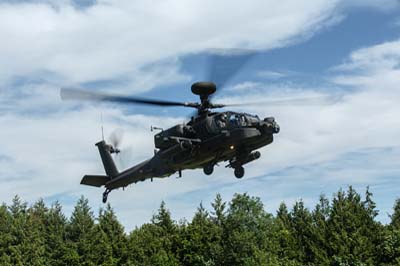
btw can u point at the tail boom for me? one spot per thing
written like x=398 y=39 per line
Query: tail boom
x=108 y=163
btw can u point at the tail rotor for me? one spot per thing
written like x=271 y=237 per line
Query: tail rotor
x=122 y=151
x=115 y=140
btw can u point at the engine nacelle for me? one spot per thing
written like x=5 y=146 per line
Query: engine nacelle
x=168 y=138
x=162 y=140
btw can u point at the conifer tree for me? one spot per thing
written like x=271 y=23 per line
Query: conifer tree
x=80 y=235
x=351 y=230
x=218 y=213
x=282 y=215
x=155 y=243
x=389 y=247
x=163 y=219
x=320 y=216
x=35 y=237
x=57 y=251
x=201 y=243
x=17 y=248
x=395 y=217
x=112 y=241
x=301 y=222
x=285 y=235
x=218 y=218
x=5 y=235
x=247 y=233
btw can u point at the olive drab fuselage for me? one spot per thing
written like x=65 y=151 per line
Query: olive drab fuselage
x=202 y=142
x=206 y=140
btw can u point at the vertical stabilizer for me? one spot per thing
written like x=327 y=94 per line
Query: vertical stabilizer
x=108 y=162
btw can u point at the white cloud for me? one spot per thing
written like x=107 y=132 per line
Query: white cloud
x=272 y=74
x=115 y=38
x=378 y=58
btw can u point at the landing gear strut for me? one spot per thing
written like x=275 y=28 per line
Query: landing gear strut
x=208 y=169
x=239 y=171
x=105 y=195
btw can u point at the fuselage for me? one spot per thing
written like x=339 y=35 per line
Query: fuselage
x=205 y=140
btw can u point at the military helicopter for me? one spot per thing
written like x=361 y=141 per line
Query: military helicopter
x=207 y=139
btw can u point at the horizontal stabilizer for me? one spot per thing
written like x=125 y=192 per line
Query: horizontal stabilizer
x=94 y=180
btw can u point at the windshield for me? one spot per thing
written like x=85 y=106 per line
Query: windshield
x=221 y=121
x=237 y=120
x=225 y=121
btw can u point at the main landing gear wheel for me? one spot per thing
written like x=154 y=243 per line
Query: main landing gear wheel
x=239 y=172
x=208 y=169
x=105 y=195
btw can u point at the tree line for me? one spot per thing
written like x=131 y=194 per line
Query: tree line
x=342 y=231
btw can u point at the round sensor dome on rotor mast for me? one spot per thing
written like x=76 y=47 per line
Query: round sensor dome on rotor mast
x=203 y=88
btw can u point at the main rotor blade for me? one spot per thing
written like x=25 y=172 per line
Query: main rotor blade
x=312 y=100
x=84 y=95
x=224 y=64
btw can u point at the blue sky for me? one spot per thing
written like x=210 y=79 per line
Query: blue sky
x=349 y=49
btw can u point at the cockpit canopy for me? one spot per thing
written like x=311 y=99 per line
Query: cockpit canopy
x=230 y=120
x=204 y=127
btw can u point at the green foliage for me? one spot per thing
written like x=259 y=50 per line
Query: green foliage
x=320 y=217
x=6 y=235
x=340 y=232
x=247 y=233
x=155 y=243
x=352 y=232
x=80 y=235
x=395 y=217
x=200 y=240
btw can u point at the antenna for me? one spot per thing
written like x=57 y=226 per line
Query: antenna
x=102 y=128
x=152 y=128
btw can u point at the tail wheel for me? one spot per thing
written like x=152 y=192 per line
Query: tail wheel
x=105 y=195
x=208 y=169
x=239 y=171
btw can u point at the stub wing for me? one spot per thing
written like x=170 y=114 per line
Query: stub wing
x=95 y=180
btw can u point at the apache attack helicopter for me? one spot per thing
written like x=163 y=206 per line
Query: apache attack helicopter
x=207 y=139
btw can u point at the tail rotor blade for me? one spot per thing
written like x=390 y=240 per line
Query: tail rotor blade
x=116 y=137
